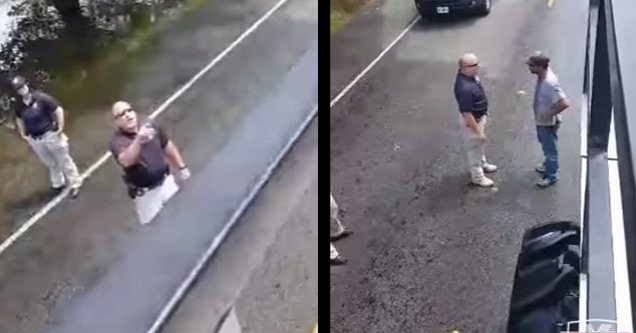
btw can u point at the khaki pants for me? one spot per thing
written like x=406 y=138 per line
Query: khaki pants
x=335 y=221
x=334 y=252
x=149 y=204
x=52 y=150
x=474 y=149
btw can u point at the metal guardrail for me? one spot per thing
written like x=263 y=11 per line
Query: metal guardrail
x=608 y=288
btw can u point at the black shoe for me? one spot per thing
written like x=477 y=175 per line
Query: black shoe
x=337 y=261
x=344 y=234
x=55 y=191
x=74 y=192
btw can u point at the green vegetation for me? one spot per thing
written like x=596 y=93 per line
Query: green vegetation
x=341 y=12
x=337 y=19
x=83 y=86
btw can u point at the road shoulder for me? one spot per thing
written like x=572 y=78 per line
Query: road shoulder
x=267 y=266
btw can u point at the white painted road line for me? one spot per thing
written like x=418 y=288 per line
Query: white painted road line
x=180 y=293
x=102 y=160
x=375 y=61
x=621 y=273
x=231 y=324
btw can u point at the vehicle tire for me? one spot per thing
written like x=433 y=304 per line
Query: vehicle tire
x=485 y=7
x=546 y=288
x=424 y=11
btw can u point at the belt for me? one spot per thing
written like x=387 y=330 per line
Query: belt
x=479 y=115
x=136 y=192
x=38 y=136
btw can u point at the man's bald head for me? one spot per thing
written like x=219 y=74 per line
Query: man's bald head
x=468 y=59
x=120 y=106
x=468 y=64
x=125 y=116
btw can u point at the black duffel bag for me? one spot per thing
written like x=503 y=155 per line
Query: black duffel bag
x=545 y=292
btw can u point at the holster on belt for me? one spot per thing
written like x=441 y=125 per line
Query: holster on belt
x=132 y=190
x=135 y=191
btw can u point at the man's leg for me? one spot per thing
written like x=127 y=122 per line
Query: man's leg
x=335 y=257
x=149 y=204
x=487 y=167
x=474 y=153
x=341 y=231
x=168 y=189
x=58 y=145
x=548 y=139
x=46 y=157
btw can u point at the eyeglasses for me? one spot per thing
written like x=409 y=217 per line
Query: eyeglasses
x=123 y=113
x=472 y=65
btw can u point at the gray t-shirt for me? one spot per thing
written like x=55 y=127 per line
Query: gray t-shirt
x=547 y=93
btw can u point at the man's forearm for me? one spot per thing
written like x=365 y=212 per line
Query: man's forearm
x=173 y=156
x=130 y=156
x=471 y=122
x=20 y=126
x=560 y=106
x=59 y=116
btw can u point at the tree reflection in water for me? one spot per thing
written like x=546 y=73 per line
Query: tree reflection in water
x=53 y=40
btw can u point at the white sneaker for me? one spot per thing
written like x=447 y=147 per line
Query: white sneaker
x=489 y=168
x=540 y=168
x=483 y=182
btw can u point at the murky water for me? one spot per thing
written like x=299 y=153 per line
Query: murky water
x=63 y=44
x=80 y=51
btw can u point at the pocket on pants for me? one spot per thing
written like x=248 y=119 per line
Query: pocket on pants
x=57 y=141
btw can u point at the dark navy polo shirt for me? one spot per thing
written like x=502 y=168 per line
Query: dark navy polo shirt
x=38 y=116
x=470 y=95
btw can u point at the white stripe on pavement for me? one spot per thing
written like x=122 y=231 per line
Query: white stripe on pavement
x=373 y=63
x=187 y=283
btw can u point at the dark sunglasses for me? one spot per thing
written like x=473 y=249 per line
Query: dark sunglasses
x=121 y=114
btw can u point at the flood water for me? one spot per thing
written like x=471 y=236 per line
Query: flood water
x=80 y=52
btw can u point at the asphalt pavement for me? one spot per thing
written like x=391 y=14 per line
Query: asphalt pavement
x=90 y=253
x=430 y=252
x=266 y=270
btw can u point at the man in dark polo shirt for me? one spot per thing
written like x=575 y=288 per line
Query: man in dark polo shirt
x=149 y=160
x=40 y=122
x=473 y=106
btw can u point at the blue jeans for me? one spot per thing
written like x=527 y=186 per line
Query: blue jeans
x=548 y=138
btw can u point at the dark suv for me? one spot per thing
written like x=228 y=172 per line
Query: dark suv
x=446 y=7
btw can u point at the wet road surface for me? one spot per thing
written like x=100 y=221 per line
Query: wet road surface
x=267 y=267
x=431 y=253
x=251 y=102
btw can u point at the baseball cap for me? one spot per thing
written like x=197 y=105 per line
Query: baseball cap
x=538 y=59
x=18 y=82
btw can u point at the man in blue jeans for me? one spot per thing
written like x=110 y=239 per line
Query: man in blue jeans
x=549 y=102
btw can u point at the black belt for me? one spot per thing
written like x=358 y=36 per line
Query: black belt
x=135 y=192
x=479 y=115
x=38 y=136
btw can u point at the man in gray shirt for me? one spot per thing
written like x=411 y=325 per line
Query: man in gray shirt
x=549 y=102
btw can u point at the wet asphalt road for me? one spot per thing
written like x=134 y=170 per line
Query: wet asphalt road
x=430 y=253
x=89 y=250
x=267 y=267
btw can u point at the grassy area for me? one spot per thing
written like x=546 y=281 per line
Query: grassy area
x=342 y=10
